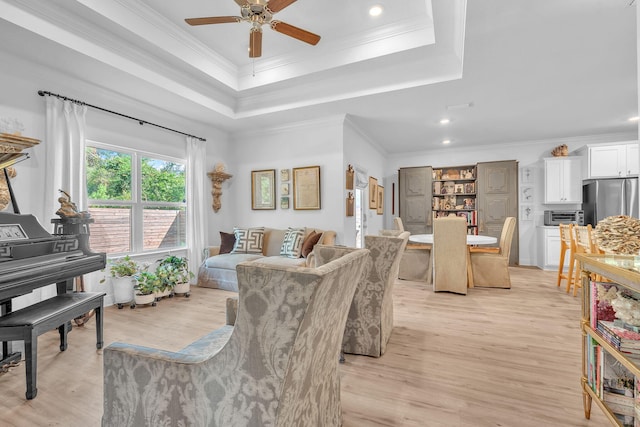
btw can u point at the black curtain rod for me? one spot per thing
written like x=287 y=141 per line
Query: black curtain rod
x=142 y=122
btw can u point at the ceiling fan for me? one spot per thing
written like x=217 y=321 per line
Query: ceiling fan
x=258 y=13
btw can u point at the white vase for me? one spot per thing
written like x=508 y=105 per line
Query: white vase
x=145 y=299
x=182 y=288
x=122 y=289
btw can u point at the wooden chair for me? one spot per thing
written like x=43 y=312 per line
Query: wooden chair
x=450 y=255
x=585 y=244
x=491 y=268
x=567 y=244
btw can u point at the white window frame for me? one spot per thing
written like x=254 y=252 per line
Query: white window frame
x=136 y=203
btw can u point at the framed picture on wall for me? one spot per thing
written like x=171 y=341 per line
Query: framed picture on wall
x=380 y=201
x=373 y=193
x=263 y=190
x=306 y=188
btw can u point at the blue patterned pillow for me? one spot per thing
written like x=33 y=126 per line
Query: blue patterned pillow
x=248 y=240
x=292 y=243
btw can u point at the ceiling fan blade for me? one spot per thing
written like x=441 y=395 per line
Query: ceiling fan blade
x=242 y=2
x=295 y=32
x=255 y=43
x=277 y=5
x=213 y=20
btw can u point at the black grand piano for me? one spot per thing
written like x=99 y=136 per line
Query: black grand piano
x=30 y=258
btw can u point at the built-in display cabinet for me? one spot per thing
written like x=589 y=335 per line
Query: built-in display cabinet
x=563 y=180
x=616 y=160
x=454 y=193
x=485 y=194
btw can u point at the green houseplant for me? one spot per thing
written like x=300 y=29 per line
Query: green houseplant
x=146 y=288
x=175 y=274
x=123 y=271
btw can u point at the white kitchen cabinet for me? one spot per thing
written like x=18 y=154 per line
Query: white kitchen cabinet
x=612 y=160
x=548 y=247
x=562 y=180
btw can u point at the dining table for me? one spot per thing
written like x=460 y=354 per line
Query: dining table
x=472 y=240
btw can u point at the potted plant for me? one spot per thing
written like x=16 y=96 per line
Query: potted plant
x=123 y=271
x=174 y=271
x=146 y=288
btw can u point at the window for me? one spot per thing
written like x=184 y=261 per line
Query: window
x=136 y=199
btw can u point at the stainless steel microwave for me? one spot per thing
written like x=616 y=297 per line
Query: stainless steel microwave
x=564 y=217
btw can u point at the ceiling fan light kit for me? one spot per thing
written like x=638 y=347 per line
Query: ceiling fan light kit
x=258 y=13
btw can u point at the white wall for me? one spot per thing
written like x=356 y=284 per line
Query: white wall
x=314 y=143
x=361 y=152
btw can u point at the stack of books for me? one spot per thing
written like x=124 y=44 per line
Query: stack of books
x=625 y=340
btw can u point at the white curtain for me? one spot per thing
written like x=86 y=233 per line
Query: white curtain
x=197 y=231
x=65 y=145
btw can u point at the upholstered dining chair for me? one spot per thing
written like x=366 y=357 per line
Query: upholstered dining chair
x=491 y=269
x=449 y=253
x=278 y=366
x=370 y=321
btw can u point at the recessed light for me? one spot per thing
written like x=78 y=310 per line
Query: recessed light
x=446 y=141
x=376 y=10
x=634 y=119
x=459 y=106
x=445 y=121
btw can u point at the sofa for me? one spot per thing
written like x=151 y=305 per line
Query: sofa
x=218 y=270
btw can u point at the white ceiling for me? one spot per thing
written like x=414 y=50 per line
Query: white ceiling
x=501 y=70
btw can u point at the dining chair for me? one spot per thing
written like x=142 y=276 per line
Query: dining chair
x=449 y=253
x=567 y=244
x=491 y=269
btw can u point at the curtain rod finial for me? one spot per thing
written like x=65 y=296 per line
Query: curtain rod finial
x=41 y=92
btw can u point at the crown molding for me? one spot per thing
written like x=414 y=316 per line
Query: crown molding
x=321 y=122
x=144 y=21
x=365 y=136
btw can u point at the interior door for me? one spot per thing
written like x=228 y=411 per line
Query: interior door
x=414 y=199
x=497 y=199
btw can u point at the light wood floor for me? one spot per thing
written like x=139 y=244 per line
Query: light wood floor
x=491 y=358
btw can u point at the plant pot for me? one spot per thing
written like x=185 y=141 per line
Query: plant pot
x=145 y=299
x=163 y=293
x=122 y=289
x=182 y=288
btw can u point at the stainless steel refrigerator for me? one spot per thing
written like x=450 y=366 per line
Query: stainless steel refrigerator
x=608 y=197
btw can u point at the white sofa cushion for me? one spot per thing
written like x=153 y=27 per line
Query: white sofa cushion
x=229 y=261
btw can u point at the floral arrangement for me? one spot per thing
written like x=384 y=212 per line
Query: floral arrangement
x=625 y=306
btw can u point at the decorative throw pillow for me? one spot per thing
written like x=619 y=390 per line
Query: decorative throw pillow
x=227 y=242
x=307 y=246
x=292 y=243
x=248 y=240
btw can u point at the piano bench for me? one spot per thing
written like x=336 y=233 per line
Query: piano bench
x=28 y=323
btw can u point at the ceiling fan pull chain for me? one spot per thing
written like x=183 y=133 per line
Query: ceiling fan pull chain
x=253 y=66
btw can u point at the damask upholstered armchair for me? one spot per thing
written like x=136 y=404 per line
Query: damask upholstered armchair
x=278 y=366
x=370 y=320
